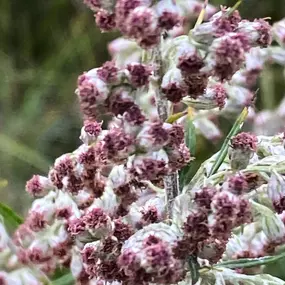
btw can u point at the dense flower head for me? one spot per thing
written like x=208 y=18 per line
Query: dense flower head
x=105 y=20
x=142 y=24
x=218 y=25
x=139 y=74
x=227 y=54
x=258 y=32
x=173 y=85
x=245 y=141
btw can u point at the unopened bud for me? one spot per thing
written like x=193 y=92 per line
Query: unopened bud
x=242 y=147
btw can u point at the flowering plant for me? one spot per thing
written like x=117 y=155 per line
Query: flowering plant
x=123 y=208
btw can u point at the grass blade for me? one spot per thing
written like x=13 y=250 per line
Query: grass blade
x=190 y=140
x=11 y=219
x=250 y=262
x=224 y=149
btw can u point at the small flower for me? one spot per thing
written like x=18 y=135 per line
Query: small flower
x=149 y=167
x=134 y=115
x=173 y=85
x=97 y=222
x=124 y=8
x=227 y=54
x=38 y=186
x=189 y=59
x=244 y=213
x=91 y=91
x=196 y=226
x=168 y=14
x=204 y=196
x=216 y=92
x=90 y=131
x=109 y=73
x=122 y=231
x=148 y=255
x=236 y=184
x=152 y=137
x=142 y=23
x=242 y=147
x=118 y=145
x=176 y=135
x=219 y=25
x=258 y=32
x=120 y=101
x=196 y=84
x=138 y=74
x=178 y=157
x=105 y=20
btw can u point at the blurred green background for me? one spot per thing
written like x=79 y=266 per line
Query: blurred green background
x=44 y=46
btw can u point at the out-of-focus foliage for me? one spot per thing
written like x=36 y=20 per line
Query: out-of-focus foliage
x=44 y=45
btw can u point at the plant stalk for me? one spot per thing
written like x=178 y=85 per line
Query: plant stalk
x=171 y=181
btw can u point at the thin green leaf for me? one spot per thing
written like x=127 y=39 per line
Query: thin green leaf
x=224 y=149
x=11 y=219
x=194 y=269
x=67 y=279
x=250 y=262
x=190 y=140
x=20 y=151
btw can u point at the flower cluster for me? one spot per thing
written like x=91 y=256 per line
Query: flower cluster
x=111 y=211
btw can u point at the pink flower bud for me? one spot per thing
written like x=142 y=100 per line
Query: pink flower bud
x=134 y=116
x=227 y=54
x=236 y=184
x=106 y=21
x=109 y=73
x=152 y=136
x=258 y=32
x=217 y=93
x=243 y=146
x=91 y=91
x=149 y=167
x=196 y=83
x=148 y=255
x=189 y=59
x=219 y=25
x=142 y=25
x=118 y=145
x=173 y=85
x=120 y=101
x=244 y=141
x=169 y=14
x=38 y=186
x=124 y=8
x=178 y=157
x=90 y=131
x=97 y=222
x=138 y=74
x=203 y=197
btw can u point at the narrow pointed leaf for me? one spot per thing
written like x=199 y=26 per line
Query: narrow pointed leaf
x=250 y=262
x=11 y=219
x=224 y=149
x=194 y=269
x=190 y=140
